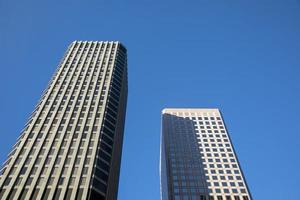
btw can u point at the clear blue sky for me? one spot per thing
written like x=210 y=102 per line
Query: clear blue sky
x=241 y=56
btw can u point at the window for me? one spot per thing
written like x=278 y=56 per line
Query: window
x=61 y=181
x=23 y=170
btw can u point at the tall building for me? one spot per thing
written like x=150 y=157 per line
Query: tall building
x=198 y=161
x=71 y=146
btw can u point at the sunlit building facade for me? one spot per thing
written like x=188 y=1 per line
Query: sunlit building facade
x=197 y=160
x=71 y=146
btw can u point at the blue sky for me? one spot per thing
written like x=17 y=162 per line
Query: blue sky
x=239 y=56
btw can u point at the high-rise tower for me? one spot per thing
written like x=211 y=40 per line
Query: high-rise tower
x=71 y=146
x=198 y=161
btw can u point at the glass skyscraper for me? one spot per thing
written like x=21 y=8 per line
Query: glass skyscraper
x=71 y=146
x=197 y=159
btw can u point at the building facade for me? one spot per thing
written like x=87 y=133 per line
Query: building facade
x=71 y=146
x=197 y=160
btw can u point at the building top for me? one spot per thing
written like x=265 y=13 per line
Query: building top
x=94 y=41
x=97 y=41
x=202 y=110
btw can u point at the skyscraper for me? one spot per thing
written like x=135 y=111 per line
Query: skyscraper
x=198 y=161
x=71 y=146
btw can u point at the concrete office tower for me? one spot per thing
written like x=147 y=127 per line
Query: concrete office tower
x=198 y=161
x=71 y=146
